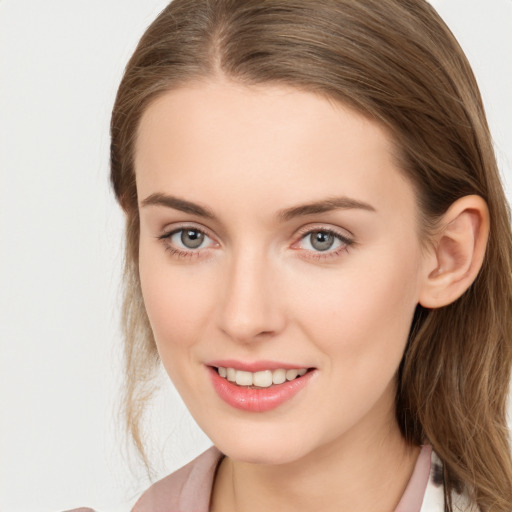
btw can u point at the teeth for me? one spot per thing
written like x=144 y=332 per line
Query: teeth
x=243 y=378
x=278 y=376
x=291 y=374
x=262 y=379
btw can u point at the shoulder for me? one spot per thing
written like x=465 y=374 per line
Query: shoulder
x=188 y=489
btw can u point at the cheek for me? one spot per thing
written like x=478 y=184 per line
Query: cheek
x=360 y=323
x=362 y=315
x=177 y=302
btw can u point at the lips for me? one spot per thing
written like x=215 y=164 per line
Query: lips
x=259 y=390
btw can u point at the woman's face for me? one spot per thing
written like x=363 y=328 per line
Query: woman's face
x=276 y=233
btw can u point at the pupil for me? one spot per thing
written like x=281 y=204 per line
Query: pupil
x=322 y=241
x=192 y=238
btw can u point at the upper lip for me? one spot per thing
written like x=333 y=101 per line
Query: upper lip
x=254 y=366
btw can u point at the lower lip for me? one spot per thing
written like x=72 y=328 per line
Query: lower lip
x=257 y=399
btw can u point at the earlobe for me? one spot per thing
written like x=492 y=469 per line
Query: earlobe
x=457 y=252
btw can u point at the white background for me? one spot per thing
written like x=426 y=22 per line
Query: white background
x=61 y=244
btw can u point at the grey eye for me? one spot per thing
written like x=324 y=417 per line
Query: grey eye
x=192 y=238
x=321 y=240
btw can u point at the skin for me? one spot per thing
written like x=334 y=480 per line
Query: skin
x=258 y=290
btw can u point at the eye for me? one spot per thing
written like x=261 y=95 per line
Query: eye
x=323 y=241
x=189 y=238
x=186 y=240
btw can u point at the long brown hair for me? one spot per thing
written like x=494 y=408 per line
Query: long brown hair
x=397 y=62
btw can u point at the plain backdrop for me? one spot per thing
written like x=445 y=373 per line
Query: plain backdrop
x=61 y=445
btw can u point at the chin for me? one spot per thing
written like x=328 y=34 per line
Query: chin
x=261 y=449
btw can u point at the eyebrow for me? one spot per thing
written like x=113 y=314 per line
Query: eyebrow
x=177 y=204
x=326 y=205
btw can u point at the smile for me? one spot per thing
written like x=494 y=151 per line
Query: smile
x=261 y=390
x=261 y=379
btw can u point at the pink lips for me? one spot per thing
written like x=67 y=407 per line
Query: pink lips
x=256 y=399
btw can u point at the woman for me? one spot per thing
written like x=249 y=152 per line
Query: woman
x=319 y=254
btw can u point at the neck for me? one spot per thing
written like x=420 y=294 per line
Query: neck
x=361 y=471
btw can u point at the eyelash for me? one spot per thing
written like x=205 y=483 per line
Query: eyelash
x=328 y=254
x=180 y=253
x=315 y=255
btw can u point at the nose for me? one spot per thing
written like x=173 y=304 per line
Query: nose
x=250 y=306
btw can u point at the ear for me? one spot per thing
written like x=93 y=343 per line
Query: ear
x=457 y=252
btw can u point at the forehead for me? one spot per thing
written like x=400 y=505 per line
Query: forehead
x=225 y=140
x=258 y=112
